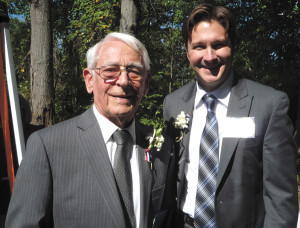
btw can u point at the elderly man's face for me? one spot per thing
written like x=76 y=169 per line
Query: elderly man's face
x=117 y=100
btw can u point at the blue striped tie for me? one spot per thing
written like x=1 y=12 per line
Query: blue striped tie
x=204 y=216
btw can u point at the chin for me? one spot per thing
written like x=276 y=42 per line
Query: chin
x=209 y=79
x=124 y=113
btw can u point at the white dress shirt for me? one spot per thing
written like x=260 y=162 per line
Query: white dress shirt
x=107 y=129
x=199 y=118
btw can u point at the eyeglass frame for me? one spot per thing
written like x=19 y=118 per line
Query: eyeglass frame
x=126 y=68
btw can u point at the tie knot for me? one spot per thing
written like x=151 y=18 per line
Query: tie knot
x=210 y=102
x=121 y=136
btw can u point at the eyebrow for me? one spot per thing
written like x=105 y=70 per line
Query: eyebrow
x=132 y=64
x=219 y=41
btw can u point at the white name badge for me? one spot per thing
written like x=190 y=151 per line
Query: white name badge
x=239 y=127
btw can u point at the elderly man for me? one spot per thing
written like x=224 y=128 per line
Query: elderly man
x=90 y=171
x=237 y=156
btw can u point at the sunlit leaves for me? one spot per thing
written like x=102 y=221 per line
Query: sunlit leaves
x=83 y=24
x=267 y=46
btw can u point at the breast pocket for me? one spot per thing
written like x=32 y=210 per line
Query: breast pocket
x=248 y=143
x=248 y=156
x=255 y=142
x=157 y=196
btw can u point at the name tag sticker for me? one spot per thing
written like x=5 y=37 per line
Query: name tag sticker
x=239 y=127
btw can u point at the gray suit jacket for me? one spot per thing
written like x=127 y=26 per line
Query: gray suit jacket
x=256 y=182
x=66 y=179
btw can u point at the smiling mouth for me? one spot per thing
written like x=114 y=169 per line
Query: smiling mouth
x=123 y=97
x=214 y=71
x=212 y=67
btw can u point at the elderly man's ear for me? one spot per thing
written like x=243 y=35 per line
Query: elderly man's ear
x=89 y=80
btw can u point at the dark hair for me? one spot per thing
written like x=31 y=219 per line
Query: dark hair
x=208 y=12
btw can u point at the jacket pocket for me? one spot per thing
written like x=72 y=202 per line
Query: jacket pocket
x=157 y=196
x=157 y=192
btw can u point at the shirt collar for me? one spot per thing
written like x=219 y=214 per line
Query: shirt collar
x=108 y=128
x=222 y=93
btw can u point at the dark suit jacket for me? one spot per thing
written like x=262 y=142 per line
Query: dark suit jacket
x=66 y=178
x=256 y=182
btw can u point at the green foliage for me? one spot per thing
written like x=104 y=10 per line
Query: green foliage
x=152 y=110
x=267 y=48
x=90 y=21
x=162 y=37
x=78 y=26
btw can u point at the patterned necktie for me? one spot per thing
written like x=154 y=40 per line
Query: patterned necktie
x=204 y=216
x=122 y=171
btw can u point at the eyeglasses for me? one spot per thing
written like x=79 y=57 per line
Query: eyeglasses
x=111 y=73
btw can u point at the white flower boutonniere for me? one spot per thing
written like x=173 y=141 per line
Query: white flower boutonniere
x=155 y=142
x=182 y=123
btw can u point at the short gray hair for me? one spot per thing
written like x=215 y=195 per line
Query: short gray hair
x=131 y=41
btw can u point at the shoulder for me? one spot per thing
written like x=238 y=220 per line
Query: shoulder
x=263 y=101
x=260 y=91
x=58 y=127
x=253 y=86
x=180 y=97
x=63 y=129
x=181 y=91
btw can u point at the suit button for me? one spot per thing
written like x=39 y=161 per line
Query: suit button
x=220 y=201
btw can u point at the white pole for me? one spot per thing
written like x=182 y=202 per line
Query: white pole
x=13 y=94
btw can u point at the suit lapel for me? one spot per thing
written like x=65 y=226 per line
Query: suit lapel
x=186 y=104
x=93 y=145
x=145 y=171
x=239 y=106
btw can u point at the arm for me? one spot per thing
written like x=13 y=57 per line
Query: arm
x=279 y=169
x=31 y=202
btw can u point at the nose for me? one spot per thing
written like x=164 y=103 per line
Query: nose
x=209 y=55
x=123 y=79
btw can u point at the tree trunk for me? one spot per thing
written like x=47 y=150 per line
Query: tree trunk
x=41 y=63
x=128 y=17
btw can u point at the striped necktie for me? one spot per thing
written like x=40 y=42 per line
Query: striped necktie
x=204 y=216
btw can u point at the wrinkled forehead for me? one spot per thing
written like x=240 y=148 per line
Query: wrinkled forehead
x=119 y=53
